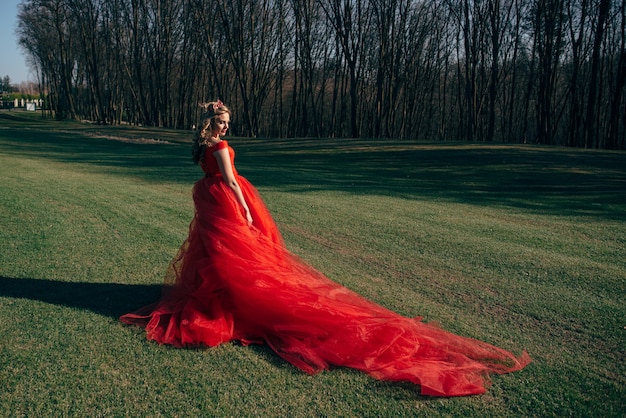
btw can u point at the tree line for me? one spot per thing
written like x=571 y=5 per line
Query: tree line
x=518 y=71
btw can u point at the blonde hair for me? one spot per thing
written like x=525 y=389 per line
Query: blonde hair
x=209 y=111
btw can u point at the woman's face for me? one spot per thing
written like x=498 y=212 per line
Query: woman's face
x=220 y=124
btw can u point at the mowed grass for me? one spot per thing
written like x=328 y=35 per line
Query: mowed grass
x=520 y=246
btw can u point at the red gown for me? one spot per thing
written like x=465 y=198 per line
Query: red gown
x=231 y=281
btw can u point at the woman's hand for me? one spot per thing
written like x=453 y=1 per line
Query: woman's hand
x=248 y=217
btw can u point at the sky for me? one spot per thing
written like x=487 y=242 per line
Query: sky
x=12 y=60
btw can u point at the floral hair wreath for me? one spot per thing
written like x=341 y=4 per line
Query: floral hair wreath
x=217 y=105
x=214 y=106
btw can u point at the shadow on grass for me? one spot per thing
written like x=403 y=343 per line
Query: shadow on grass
x=551 y=180
x=113 y=300
x=108 y=299
x=547 y=180
x=151 y=162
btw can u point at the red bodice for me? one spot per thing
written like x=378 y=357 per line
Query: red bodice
x=209 y=162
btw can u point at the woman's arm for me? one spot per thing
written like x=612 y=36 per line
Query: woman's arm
x=226 y=168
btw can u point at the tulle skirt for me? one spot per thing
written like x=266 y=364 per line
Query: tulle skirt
x=231 y=281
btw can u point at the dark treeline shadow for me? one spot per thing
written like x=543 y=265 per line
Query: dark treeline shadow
x=108 y=299
x=555 y=181
x=548 y=180
x=149 y=161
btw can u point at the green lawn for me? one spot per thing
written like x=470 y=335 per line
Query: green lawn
x=520 y=246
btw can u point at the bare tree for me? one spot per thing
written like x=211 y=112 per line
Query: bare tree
x=591 y=137
x=350 y=21
x=251 y=48
x=548 y=46
x=44 y=31
x=616 y=138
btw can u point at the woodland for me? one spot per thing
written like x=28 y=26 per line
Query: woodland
x=547 y=72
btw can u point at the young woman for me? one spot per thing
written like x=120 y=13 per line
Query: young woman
x=233 y=279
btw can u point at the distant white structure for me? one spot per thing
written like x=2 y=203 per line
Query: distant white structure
x=31 y=106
